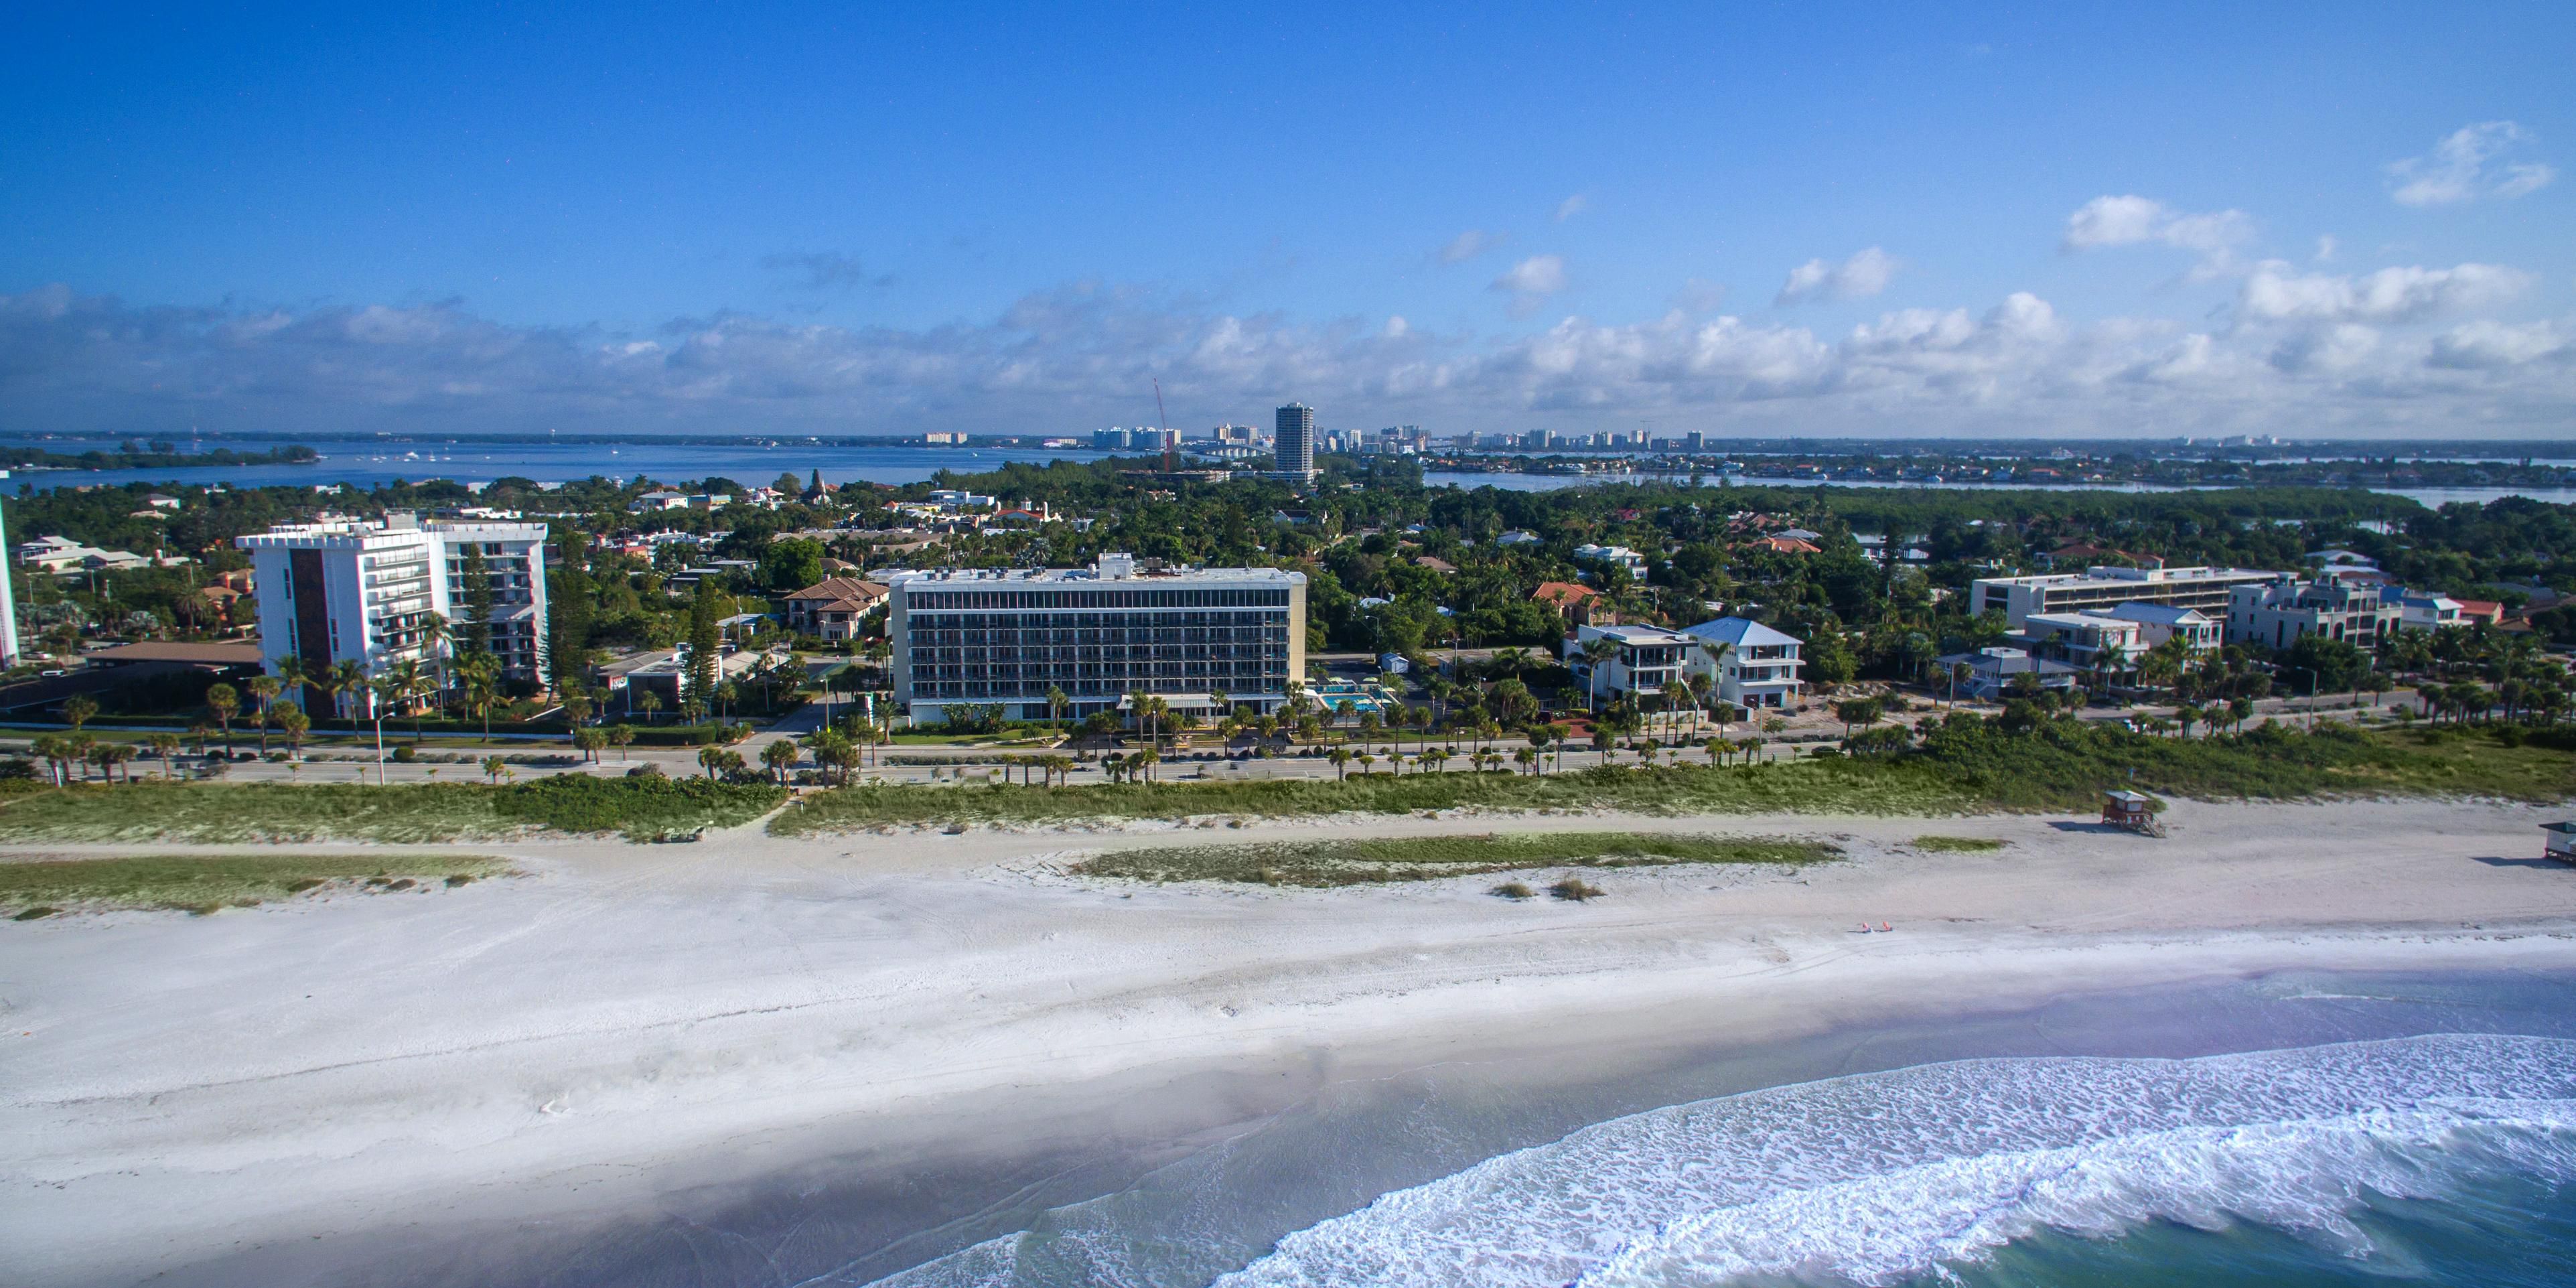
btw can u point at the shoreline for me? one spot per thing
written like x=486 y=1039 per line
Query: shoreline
x=630 y=1024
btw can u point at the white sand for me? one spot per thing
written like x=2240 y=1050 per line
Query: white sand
x=626 y=1019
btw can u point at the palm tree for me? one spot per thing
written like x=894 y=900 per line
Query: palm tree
x=408 y=685
x=224 y=702
x=651 y=702
x=164 y=746
x=1340 y=756
x=77 y=711
x=265 y=688
x=481 y=673
x=294 y=724
x=1058 y=701
x=494 y=767
x=1526 y=758
x=618 y=736
x=345 y=677
x=1596 y=651
x=779 y=757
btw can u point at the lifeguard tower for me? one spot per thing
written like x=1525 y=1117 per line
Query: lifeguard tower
x=2132 y=811
x=2560 y=842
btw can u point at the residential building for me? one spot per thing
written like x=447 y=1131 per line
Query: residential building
x=2206 y=589
x=1573 y=601
x=1100 y=634
x=2490 y=611
x=1784 y=544
x=1293 y=442
x=2090 y=640
x=1517 y=537
x=1647 y=659
x=2159 y=622
x=833 y=607
x=1755 y=666
x=2423 y=610
x=352 y=590
x=2278 y=611
x=1991 y=672
x=1614 y=556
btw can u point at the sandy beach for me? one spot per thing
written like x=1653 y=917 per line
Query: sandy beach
x=623 y=1023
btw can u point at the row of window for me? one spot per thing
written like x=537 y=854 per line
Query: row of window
x=983 y=690
x=1092 y=639
x=1160 y=597
x=1086 y=621
x=1042 y=676
x=1067 y=656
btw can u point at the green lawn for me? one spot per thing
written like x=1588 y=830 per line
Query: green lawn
x=206 y=883
x=1362 y=862
x=228 y=813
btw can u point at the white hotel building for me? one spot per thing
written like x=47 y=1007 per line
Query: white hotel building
x=355 y=590
x=991 y=636
x=2021 y=598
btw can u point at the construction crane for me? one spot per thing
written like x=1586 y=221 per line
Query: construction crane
x=1163 y=431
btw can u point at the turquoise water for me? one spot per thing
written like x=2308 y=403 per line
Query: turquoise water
x=2439 y=1159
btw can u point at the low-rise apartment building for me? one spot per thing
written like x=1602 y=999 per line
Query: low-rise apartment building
x=351 y=590
x=2279 y=611
x=2018 y=598
x=1007 y=637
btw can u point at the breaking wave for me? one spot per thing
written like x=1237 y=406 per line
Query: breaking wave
x=1879 y=1178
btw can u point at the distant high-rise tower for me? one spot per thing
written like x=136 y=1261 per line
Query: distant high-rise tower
x=1295 y=441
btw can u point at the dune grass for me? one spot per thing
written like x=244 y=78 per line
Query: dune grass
x=1380 y=860
x=1957 y=844
x=1819 y=787
x=207 y=883
x=235 y=813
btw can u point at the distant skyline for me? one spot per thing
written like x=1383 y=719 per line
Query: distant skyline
x=1814 y=221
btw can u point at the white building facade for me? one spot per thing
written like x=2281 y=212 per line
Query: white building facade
x=1645 y=660
x=2018 y=598
x=1099 y=634
x=1754 y=666
x=365 y=592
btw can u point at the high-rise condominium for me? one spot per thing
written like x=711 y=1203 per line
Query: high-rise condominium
x=1295 y=440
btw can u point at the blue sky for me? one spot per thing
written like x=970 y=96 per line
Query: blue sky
x=1799 y=219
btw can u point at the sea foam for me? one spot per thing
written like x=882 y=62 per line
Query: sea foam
x=1873 y=1178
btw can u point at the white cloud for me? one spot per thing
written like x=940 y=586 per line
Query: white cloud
x=2277 y=292
x=2340 y=347
x=1466 y=246
x=1865 y=274
x=2484 y=345
x=1531 y=281
x=2131 y=221
x=1076 y=354
x=2325 y=248
x=1572 y=206
x=2466 y=166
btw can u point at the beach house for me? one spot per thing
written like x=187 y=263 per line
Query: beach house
x=1753 y=665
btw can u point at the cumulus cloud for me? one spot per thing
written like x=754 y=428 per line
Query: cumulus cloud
x=2144 y=221
x=2485 y=345
x=1572 y=206
x=1865 y=274
x=1531 y=281
x=823 y=270
x=1466 y=246
x=2277 y=292
x=1076 y=354
x=2469 y=165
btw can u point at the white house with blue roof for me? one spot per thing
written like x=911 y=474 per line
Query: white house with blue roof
x=1755 y=667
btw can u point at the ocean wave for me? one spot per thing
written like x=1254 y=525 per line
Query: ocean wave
x=1872 y=1178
